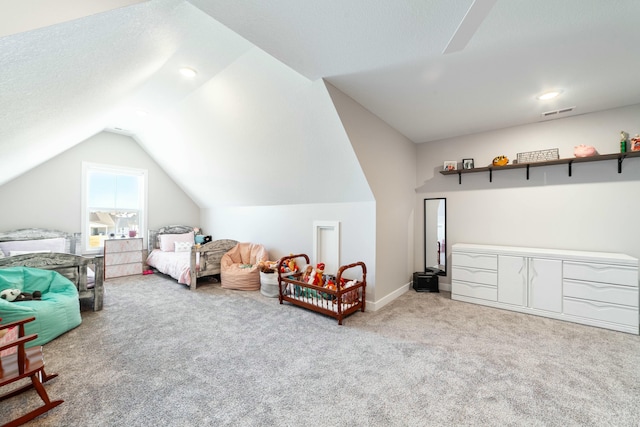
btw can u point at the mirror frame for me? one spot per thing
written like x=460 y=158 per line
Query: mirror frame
x=438 y=271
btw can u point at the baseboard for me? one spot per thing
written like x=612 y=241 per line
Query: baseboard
x=445 y=287
x=377 y=305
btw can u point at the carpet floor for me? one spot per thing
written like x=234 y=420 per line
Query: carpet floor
x=161 y=355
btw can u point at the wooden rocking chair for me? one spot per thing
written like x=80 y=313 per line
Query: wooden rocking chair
x=23 y=363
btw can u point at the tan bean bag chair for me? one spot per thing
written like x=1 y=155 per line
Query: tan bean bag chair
x=239 y=267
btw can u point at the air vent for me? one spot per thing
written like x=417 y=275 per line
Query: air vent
x=556 y=112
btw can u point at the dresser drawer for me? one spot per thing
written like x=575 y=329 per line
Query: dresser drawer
x=122 y=245
x=474 y=290
x=601 y=311
x=122 y=270
x=123 y=258
x=624 y=295
x=466 y=259
x=475 y=275
x=615 y=274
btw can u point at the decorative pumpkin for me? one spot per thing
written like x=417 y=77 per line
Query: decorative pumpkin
x=584 y=151
x=500 y=161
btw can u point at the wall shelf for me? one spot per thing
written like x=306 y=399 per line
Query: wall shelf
x=569 y=162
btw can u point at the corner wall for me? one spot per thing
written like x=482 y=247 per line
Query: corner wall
x=592 y=210
x=388 y=161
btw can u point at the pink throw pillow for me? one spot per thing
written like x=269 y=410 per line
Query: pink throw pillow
x=168 y=241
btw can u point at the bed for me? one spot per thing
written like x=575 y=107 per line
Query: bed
x=173 y=251
x=336 y=301
x=55 y=250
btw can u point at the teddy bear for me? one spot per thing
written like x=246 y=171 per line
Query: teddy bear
x=15 y=295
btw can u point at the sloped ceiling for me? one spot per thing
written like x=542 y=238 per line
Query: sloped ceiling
x=63 y=82
x=388 y=56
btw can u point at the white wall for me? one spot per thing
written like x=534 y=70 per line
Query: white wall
x=379 y=233
x=49 y=196
x=592 y=210
x=288 y=229
x=257 y=133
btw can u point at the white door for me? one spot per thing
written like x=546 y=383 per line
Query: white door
x=545 y=284
x=326 y=245
x=512 y=280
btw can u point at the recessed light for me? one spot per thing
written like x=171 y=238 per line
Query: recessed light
x=549 y=95
x=188 y=72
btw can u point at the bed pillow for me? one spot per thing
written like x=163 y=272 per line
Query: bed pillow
x=56 y=244
x=183 y=246
x=14 y=253
x=168 y=241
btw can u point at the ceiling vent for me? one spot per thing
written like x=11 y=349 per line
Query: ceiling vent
x=556 y=112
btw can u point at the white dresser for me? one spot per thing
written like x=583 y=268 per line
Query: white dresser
x=593 y=288
x=122 y=257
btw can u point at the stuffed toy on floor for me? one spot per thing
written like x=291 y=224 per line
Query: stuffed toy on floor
x=15 y=295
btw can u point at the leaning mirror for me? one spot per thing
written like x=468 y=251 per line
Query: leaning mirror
x=435 y=235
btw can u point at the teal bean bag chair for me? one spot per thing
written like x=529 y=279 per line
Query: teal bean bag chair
x=58 y=310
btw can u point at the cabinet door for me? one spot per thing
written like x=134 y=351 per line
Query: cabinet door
x=512 y=280
x=545 y=284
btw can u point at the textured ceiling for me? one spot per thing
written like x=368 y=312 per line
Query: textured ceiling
x=61 y=83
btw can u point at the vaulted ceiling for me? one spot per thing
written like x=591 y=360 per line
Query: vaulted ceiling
x=431 y=69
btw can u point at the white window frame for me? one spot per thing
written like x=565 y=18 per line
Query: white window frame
x=121 y=170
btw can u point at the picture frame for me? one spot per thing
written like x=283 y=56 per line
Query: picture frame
x=450 y=165
x=467 y=164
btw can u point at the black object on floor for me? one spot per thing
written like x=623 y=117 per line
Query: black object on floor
x=425 y=282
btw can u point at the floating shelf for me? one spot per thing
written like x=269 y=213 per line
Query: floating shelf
x=569 y=161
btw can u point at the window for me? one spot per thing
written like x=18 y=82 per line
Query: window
x=114 y=201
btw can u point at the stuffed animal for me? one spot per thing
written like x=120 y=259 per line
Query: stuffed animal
x=308 y=272
x=319 y=279
x=352 y=296
x=311 y=278
x=293 y=267
x=289 y=266
x=15 y=295
x=10 y=294
x=267 y=266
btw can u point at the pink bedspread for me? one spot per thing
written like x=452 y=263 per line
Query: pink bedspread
x=174 y=264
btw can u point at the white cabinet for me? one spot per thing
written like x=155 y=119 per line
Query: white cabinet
x=513 y=280
x=605 y=292
x=593 y=288
x=545 y=284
